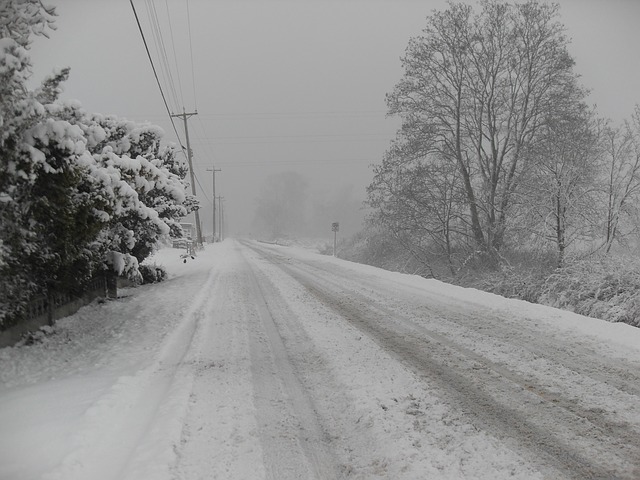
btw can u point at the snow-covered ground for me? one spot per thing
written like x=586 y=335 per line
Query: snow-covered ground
x=259 y=361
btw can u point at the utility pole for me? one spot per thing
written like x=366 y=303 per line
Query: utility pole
x=223 y=223
x=220 y=199
x=213 y=174
x=184 y=117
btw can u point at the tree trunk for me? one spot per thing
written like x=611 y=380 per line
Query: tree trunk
x=560 y=230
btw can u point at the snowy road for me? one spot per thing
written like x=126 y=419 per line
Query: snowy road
x=258 y=361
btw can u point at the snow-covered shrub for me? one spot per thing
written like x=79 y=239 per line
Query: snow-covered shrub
x=79 y=193
x=513 y=282
x=20 y=110
x=35 y=337
x=152 y=273
x=607 y=288
x=520 y=274
x=376 y=246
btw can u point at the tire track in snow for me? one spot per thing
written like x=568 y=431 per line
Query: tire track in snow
x=293 y=441
x=623 y=376
x=219 y=436
x=472 y=382
x=485 y=334
x=130 y=432
x=603 y=390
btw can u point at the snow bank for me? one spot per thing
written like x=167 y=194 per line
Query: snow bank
x=61 y=397
x=620 y=334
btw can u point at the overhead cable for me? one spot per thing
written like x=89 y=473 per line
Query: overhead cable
x=155 y=73
x=175 y=56
x=162 y=51
x=193 y=75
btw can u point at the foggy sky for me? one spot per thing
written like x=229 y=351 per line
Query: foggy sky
x=290 y=85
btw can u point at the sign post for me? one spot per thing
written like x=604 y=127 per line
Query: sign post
x=335 y=226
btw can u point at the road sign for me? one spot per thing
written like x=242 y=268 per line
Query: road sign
x=335 y=227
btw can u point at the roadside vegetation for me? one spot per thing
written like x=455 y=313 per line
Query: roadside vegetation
x=81 y=194
x=599 y=286
x=502 y=177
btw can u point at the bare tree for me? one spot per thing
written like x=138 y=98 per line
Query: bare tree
x=621 y=162
x=561 y=187
x=476 y=91
x=419 y=203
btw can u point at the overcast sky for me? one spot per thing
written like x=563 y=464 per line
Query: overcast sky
x=289 y=85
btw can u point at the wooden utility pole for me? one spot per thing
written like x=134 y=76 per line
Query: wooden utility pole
x=220 y=199
x=184 y=117
x=222 y=224
x=213 y=174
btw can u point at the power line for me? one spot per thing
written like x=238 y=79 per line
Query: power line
x=156 y=41
x=207 y=145
x=295 y=115
x=164 y=62
x=160 y=46
x=155 y=73
x=346 y=113
x=202 y=188
x=193 y=75
x=265 y=163
x=301 y=142
x=184 y=115
x=173 y=45
x=311 y=135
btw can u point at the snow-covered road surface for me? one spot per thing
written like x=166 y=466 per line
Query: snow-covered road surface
x=257 y=361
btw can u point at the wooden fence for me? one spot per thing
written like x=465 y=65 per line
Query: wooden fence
x=45 y=310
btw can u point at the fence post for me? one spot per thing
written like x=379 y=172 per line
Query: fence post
x=112 y=285
x=50 y=307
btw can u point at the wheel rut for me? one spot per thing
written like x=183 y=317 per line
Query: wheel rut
x=567 y=440
x=294 y=443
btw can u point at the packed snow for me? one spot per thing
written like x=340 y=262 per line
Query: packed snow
x=259 y=361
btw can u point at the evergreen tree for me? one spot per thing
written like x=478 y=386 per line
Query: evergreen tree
x=79 y=193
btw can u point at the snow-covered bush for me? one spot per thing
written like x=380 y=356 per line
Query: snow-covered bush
x=379 y=248
x=20 y=110
x=519 y=274
x=607 y=288
x=79 y=193
x=148 y=178
x=601 y=287
x=514 y=283
x=153 y=273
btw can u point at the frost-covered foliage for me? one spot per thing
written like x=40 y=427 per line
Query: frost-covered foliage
x=603 y=287
x=379 y=248
x=19 y=110
x=607 y=289
x=600 y=286
x=79 y=193
x=478 y=87
x=148 y=178
x=153 y=273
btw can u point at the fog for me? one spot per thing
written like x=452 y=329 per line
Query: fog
x=287 y=89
